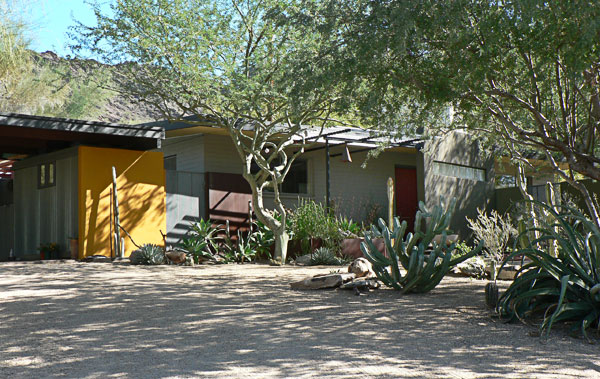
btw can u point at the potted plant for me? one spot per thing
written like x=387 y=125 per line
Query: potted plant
x=49 y=251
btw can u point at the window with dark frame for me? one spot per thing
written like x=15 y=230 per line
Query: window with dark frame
x=296 y=181
x=47 y=175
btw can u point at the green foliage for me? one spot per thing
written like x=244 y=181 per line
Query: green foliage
x=261 y=240
x=424 y=261
x=310 y=220
x=239 y=251
x=348 y=228
x=461 y=249
x=561 y=289
x=324 y=256
x=148 y=254
x=522 y=73
x=201 y=240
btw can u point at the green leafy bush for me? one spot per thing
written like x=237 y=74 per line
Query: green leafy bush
x=148 y=254
x=563 y=288
x=326 y=257
x=424 y=261
x=311 y=220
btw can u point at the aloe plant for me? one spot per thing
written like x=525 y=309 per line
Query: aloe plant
x=561 y=288
x=414 y=261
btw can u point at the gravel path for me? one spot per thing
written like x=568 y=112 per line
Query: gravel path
x=98 y=320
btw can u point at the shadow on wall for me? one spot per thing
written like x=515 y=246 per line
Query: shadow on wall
x=141 y=193
x=460 y=149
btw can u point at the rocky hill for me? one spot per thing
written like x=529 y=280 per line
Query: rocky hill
x=89 y=94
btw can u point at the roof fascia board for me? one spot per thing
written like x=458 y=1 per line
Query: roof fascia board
x=80 y=126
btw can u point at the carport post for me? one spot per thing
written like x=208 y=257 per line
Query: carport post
x=327 y=193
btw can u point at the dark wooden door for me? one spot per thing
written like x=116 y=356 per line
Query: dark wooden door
x=406 y=195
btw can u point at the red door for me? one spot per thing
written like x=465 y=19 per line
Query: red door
x=406 y=195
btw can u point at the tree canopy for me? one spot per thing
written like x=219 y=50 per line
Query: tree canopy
x=525 y=74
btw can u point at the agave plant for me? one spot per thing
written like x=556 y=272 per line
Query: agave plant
x=201 y=240
x=148 y=254
x=414 y=261
x=561 y=288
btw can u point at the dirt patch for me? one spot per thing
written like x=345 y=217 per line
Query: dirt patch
x=98 y=320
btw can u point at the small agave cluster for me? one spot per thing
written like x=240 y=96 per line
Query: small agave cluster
x=148 y=254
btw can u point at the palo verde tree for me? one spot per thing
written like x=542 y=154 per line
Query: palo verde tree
x=524 y=74
x=232 y=63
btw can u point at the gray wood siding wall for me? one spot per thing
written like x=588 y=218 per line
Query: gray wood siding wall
x=7 y=230
x=49 y=214
x=458 y=148
x=353 y=189
x=185 y=202
x=189 y=152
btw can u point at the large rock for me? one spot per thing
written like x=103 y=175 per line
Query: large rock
x=322 y=281
x=361 y=267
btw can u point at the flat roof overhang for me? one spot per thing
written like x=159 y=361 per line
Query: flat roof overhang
x=31 y=135
x=362 y=139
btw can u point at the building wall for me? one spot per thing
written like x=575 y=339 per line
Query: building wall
x=7 y=218
x=354 y=190
x=188 y=150
x=46 y=215
x=141 y=193
x=458 y=148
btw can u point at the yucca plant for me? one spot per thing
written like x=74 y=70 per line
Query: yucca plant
x=414 y=262
x=563 y=288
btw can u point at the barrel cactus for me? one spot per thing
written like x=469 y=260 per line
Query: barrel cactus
x=148 y=254
x=491 y=294
x=414 y=262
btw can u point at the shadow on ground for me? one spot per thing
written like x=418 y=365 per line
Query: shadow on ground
x=101 y=320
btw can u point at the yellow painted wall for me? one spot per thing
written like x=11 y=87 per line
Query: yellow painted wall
x=141 y=192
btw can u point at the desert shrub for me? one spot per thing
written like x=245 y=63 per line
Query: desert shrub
x=311 y=220
x=565 y=288
x=148 y=254
x=495 y=231
x=326 y=257
x=425 y=263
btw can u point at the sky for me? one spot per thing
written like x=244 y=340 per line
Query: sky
x=49 y=22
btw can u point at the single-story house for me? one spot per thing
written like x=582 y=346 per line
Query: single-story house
x=56 y=183
x=203 y=176
x=56 y=180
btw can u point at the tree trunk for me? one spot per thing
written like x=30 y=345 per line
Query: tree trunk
x=281 y=245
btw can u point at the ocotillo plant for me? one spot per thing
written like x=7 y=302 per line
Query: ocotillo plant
x=424 y=261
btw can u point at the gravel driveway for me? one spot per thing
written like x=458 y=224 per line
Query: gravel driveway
x=88 y=320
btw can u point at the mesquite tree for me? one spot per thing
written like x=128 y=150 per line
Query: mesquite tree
x=235 y=64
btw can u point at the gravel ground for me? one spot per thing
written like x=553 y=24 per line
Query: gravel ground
x=98 y=320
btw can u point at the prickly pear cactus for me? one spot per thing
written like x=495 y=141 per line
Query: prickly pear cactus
x=414 y=262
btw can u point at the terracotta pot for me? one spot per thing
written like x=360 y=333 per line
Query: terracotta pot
x=351 y=247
